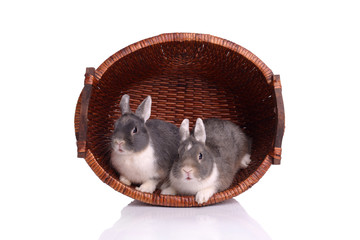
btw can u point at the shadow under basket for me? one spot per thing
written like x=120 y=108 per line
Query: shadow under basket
x=188 y=76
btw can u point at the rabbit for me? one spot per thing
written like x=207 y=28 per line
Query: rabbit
x=143 y=150
x=208 y=159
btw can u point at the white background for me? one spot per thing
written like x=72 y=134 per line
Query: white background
x=45 y=46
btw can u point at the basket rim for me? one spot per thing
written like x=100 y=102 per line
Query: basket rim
x=176 y=200
x=182 y=37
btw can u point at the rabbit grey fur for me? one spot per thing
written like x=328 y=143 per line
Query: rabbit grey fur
x=143 y=150
x=224 y=149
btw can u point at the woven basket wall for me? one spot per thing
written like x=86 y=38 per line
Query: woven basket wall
x=187 y=76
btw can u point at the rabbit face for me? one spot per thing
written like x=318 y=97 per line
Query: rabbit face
x=130 y=135
x=195 y=159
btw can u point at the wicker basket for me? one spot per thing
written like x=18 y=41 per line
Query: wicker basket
x=188 y=76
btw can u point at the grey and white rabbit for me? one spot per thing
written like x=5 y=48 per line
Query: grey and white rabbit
x=143 y=150
x=208 y=159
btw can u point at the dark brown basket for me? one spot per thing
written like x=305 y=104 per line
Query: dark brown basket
x=188 y=76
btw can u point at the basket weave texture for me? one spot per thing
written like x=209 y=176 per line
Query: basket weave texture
x=188 y=76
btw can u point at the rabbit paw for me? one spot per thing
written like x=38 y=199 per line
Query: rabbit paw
x=204 y=195
x=148 y=186
x=125 y=181
x=245 y=161
x=168 y=191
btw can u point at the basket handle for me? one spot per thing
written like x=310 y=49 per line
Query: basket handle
x=85 y=99
x=280 y=128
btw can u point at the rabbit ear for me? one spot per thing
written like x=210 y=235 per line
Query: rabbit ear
x=184 y=130
x=124 y=104
x=144 y=109
x=199 y=131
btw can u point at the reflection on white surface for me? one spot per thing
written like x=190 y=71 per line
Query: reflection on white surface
x=227 y=220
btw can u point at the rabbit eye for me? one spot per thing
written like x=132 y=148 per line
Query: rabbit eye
x=200 y=156
x=134 y=130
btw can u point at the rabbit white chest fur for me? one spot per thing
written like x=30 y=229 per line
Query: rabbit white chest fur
x=136 y=167
x=195 y=185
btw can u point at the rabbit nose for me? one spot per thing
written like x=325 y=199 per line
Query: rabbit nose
x=120 y=142
x=187 y=169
